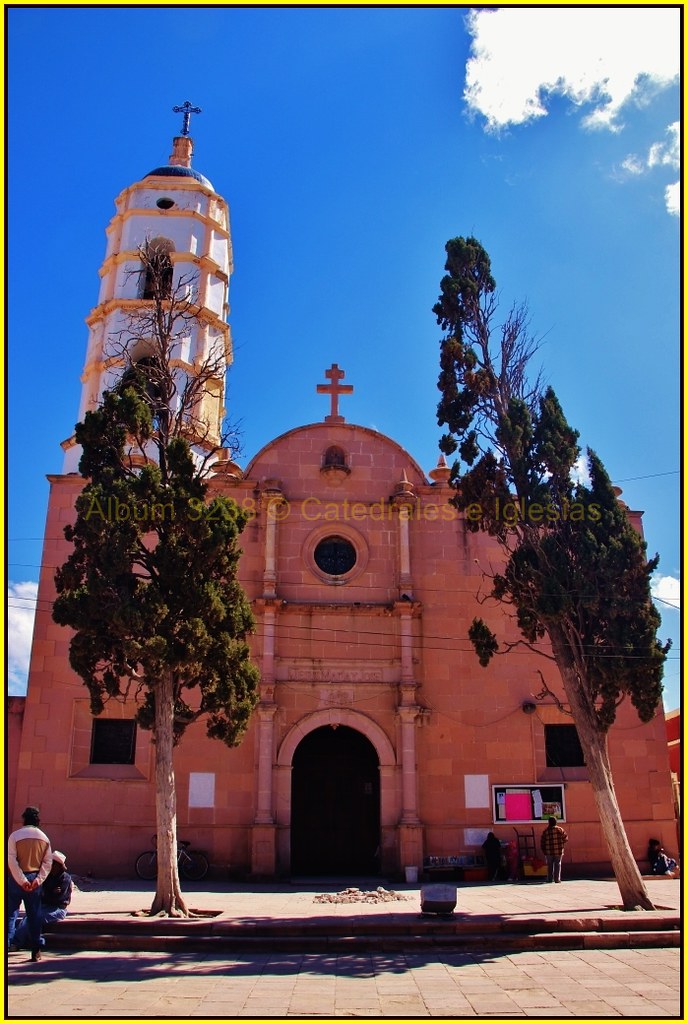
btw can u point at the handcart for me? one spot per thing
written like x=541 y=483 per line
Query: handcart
x=532 y=863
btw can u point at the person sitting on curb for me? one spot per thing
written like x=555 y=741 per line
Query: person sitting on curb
x=660 y=861
x=55 y=898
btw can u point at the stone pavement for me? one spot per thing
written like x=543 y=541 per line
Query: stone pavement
x=596 y=983
x=636 y=982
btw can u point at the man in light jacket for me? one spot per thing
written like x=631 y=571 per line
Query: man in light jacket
x=29 y=859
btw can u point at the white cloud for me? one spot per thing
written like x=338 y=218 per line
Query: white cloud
x=21 y=610
x=666 y=590
x=634 y=165
x=666 y=153
x=672 y=197
x=661 y=154
x=579 y=471
x=599 y=58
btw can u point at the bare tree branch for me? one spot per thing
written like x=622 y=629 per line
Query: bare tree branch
x=546 y=692
x=183 y=390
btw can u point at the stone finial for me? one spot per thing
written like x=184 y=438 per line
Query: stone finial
x=182 y=151
x=226 y=467
x=441 y=473
x=404 y=489
x=618 y=491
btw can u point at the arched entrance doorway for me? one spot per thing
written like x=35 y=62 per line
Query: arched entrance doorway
x=335 y=803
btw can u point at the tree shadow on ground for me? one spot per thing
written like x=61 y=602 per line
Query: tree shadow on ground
x=106 y=967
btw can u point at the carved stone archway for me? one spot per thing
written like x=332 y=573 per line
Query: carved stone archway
x=389 y=797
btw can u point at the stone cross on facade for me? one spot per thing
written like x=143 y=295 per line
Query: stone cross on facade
x=334 y=389
x=187 y=110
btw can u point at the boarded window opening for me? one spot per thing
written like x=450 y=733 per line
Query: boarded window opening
x=113 y=741
x=562 y=747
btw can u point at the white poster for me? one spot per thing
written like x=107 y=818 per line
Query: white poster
x=477 y=790
x=537 y=803
x=201 y=789
x=474 y=836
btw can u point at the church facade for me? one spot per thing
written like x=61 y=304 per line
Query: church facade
x=379 y=741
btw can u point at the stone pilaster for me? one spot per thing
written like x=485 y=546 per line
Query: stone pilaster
x=263 y=852
x=265 y=714
x=403 y=499
x=264 y=831
x=273 y=499
x=411 y=846
x=409 y=776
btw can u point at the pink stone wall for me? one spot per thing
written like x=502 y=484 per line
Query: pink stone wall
x=15 y=719
x=673 y=734
x=337 y=656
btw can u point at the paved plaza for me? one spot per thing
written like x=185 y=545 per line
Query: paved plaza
x=596 y=983
x=638 y=982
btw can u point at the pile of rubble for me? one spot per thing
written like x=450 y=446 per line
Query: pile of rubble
x=353 y=895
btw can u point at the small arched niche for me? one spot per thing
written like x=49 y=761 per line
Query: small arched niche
x=334 y=466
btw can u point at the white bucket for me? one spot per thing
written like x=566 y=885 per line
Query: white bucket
x=411 y=874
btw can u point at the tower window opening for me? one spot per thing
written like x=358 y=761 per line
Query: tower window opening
x=165 y=204
x=146 y=377
x=157 y=269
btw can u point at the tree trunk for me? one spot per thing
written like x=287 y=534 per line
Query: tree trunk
x=593 y=741
x=168 y=897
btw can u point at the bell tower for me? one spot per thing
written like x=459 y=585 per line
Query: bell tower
x=175 y=213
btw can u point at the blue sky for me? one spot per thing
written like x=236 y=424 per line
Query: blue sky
x=351 y=143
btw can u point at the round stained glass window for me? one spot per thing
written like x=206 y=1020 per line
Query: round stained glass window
x=335 y=556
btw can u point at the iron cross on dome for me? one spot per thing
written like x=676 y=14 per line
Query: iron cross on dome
x=334 y=389
x=187 y=110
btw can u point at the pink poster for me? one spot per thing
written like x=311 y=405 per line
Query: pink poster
x=518 y=806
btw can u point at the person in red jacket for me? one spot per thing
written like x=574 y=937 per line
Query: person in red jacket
x=552 y=843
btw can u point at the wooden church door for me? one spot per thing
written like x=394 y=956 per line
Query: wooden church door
x=335 y=804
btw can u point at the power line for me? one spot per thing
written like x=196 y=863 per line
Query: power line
x=649 y=476
x=424 y=589
x=387 y=640
x=621 y=480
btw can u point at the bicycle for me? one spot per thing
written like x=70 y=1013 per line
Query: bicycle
x=193 y=865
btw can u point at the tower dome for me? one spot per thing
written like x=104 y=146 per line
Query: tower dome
x=179 y=163
x=170 y=171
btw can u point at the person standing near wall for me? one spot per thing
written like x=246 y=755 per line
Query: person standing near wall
x=493 y=856
x=552 y=843
x=29 y=859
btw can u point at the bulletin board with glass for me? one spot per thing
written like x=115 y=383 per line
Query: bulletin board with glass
x=514 y=804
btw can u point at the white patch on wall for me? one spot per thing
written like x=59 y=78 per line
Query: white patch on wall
x=474 y=836
x=477 y=790
x=201 y=789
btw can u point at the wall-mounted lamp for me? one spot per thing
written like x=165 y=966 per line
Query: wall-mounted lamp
x=527 y=707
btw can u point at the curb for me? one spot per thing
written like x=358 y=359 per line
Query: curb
x=220 y=934
x=212 y=945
